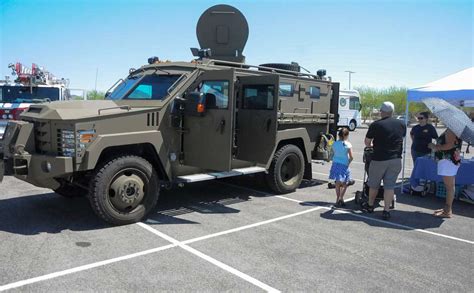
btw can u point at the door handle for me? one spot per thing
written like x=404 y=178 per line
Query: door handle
x=269 y=123
x=222 y=126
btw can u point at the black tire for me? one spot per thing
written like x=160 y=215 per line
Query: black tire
x=284 y=66
x=131 y=177
x=358 y=197
x=286 y=170
x=352 y=125
x=70 y=191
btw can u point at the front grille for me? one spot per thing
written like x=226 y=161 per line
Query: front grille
x=42 y=137
x=66 y=143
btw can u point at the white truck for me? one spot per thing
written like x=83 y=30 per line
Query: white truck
x=349 y=109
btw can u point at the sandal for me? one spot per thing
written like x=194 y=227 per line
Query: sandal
x=438 y=211
x=443 y=214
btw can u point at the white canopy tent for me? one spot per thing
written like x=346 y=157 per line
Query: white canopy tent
x=457 y=88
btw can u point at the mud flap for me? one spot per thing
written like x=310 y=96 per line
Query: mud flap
x=308 y=171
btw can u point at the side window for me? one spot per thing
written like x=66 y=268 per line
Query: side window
x=314 y=92
x=342 y=101
x=258 y=97
x=354 y=103
x=286 y=89
x=220 y=89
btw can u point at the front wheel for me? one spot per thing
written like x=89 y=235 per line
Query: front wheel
x=352 y=125
x=286 y=170
x=124 y=190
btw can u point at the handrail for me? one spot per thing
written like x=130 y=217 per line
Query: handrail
x=126 y=107
x=213 y=62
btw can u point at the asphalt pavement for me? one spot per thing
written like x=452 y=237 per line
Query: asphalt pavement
x=235 y=235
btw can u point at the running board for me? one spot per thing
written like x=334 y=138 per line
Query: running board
x=218 y=175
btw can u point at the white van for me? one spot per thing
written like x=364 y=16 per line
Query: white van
x=349 y=109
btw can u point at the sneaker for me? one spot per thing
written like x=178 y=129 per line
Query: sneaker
x=342 y=203
x=386 y=215
x=367 y=208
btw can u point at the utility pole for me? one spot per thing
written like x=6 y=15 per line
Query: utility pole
x=350 y=73
x=97 y=73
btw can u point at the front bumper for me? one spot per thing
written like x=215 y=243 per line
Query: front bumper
x=41 y=170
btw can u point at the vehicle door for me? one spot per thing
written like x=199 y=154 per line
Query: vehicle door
x=207 y=139
x=256 y=125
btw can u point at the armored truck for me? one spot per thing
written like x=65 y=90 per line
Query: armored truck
x=172 y=123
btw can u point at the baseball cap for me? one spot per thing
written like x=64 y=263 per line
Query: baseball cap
x=387 y=107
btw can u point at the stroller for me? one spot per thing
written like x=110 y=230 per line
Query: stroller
x=362 y=197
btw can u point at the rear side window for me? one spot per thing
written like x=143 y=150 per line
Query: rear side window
x=258 y=97
x=286 y=90
x=314 y=92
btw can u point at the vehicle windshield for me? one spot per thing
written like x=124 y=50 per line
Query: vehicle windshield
x=148 y=87
x=25 y=94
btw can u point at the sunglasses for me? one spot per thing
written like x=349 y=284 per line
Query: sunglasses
x=421 y=118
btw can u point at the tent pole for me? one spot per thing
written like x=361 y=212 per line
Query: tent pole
x=405 y=148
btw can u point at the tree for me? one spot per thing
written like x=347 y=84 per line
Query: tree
x=95 y=95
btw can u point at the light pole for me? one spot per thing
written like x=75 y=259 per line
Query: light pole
x=350 y=73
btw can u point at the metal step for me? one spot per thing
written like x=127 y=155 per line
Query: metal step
x=217 y=175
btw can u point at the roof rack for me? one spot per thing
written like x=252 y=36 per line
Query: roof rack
x=213 y=62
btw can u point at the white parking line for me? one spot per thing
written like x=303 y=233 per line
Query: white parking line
x=210 y=259
x=368 y=218
x=82 y=268
x=400 y=225
x=145 y=252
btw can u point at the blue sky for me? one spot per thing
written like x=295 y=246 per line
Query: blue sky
x=401 y=43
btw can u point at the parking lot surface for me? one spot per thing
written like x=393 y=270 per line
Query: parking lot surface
x=234 y=235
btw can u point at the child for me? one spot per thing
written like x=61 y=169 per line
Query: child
x=340 y=172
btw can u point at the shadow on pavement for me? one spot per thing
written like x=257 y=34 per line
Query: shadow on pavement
x=460 y=208
x=415 y=220
x=47 y=213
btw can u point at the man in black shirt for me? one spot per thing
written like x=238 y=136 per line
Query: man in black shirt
x=386 y=136
x=421 y=135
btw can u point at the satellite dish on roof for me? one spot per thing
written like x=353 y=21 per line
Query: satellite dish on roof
x=224 y=30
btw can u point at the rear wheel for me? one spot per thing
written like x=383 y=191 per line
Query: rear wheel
x=124 y=190
x=286 y=170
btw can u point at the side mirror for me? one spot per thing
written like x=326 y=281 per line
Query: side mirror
x=360 y=107
x=194 y=104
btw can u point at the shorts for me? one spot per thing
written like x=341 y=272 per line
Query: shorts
x=384 y=170
x=447 y=168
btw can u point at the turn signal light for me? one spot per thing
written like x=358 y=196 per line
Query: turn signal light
x=201 y=108
x=86 y=137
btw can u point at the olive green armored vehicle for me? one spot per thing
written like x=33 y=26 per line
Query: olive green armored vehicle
x=172 y=123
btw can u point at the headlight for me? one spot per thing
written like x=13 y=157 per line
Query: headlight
x=66 y=143
x=4 y=116
x=84 y=138
x=10 y=116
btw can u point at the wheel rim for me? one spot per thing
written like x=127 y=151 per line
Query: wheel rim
x=352 y=126
x=290 y=169
x=127 y=189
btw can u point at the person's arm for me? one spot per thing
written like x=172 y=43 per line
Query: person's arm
x=434 y=133
x=368 y=142
x=369 y=137
x=351 y=157
x=411 y=133
x=450 y=142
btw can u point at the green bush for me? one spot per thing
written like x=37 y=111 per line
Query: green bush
x=372 y=98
